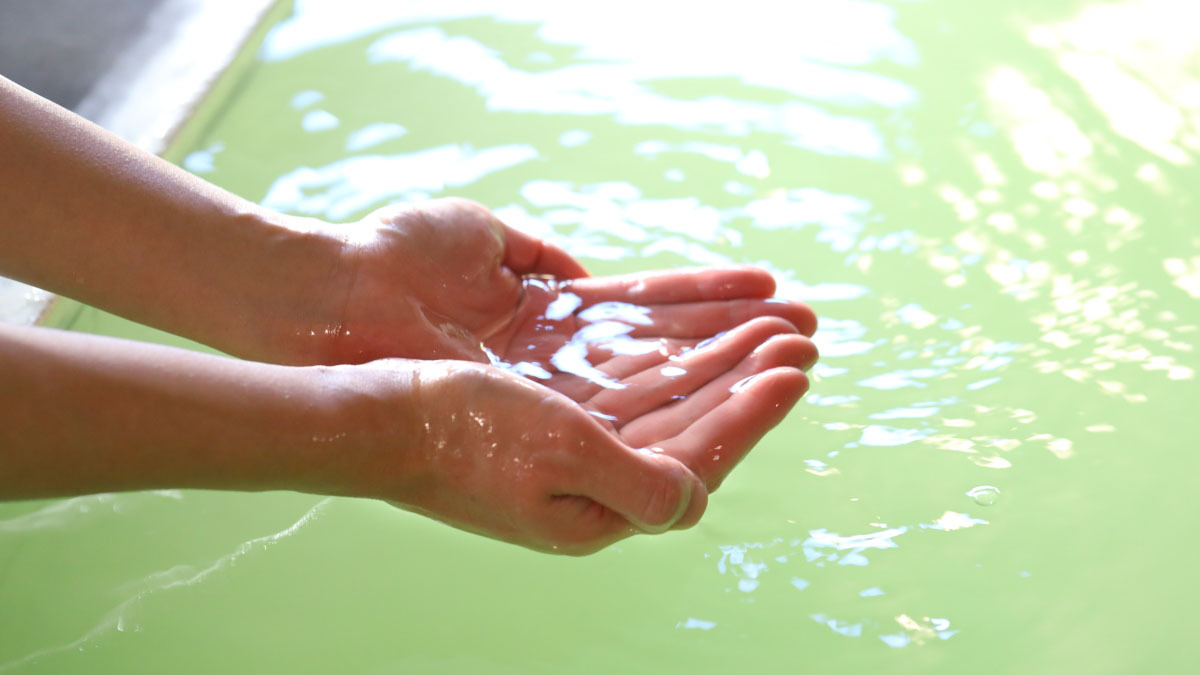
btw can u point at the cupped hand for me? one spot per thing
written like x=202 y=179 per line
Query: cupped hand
x=429 y=281
x=497 y=454
x=446 y=279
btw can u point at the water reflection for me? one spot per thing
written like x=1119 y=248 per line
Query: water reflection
x=750 y=565
x=351 y=186
x=123 y=617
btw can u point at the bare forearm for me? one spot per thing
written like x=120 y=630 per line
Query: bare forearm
x=83 y=414
x=91 y=217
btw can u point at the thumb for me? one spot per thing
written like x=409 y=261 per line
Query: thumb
x=526 y=254
x=650 y=490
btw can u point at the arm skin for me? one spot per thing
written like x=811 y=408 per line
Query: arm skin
x=89 y=216
x=470 y=445
x=85 y=414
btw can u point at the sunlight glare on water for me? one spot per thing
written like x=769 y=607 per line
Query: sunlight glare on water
x=989 y=204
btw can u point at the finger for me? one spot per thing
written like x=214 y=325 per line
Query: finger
x=566 y=525
x=680 y=285
x=581 y=526
x=680 y=376
x=581 y=368
x=650 y=490
x=715 y=443
x=582 y=380
x=702 y=319
x=526 y=254
x=780 y=351
x=620 y=359
x=632 y=357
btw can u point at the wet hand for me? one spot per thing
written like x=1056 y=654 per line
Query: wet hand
x=446 y=279
x=705 y=403
x=497 y=454
x=428 y=281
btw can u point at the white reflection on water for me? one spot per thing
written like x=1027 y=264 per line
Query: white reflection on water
x=122 y=618
x=793 y=50
x=1185 y=274
x=374 y=134
x=79 y=511
x=319 y=120
x=613 y=89
x=749 y=564
x=1136 y=62
x=350 y=186
x=1057 y=230
x=839 y=217
x=808 y=35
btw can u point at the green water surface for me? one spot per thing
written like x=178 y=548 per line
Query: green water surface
x=990 y=204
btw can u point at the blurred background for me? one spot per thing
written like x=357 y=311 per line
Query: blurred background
x=136 y=67
x=60 y=48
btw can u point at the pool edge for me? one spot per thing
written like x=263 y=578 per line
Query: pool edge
x=187 y=51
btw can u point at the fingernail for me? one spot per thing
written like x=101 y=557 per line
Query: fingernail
x=685 y=498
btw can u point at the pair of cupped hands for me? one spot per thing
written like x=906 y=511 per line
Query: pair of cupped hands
x=557 y=411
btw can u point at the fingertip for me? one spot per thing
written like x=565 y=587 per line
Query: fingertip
x=793 y=350
x=737 y=281
x=765 y=327
x=766 y=281
x=782 y=386
x=801 y=316
x=527 y=254
x=561 y=264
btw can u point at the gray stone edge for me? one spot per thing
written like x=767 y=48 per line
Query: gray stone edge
x=151 y=90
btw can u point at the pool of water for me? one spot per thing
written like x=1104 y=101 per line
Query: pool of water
x=990 y=205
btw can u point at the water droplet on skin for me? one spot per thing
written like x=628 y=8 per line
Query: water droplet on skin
x=984 y=495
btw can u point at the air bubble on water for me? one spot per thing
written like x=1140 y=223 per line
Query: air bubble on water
x=984 y=495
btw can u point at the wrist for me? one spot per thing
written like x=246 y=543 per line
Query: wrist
x=288 y=294
x=363 y=436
